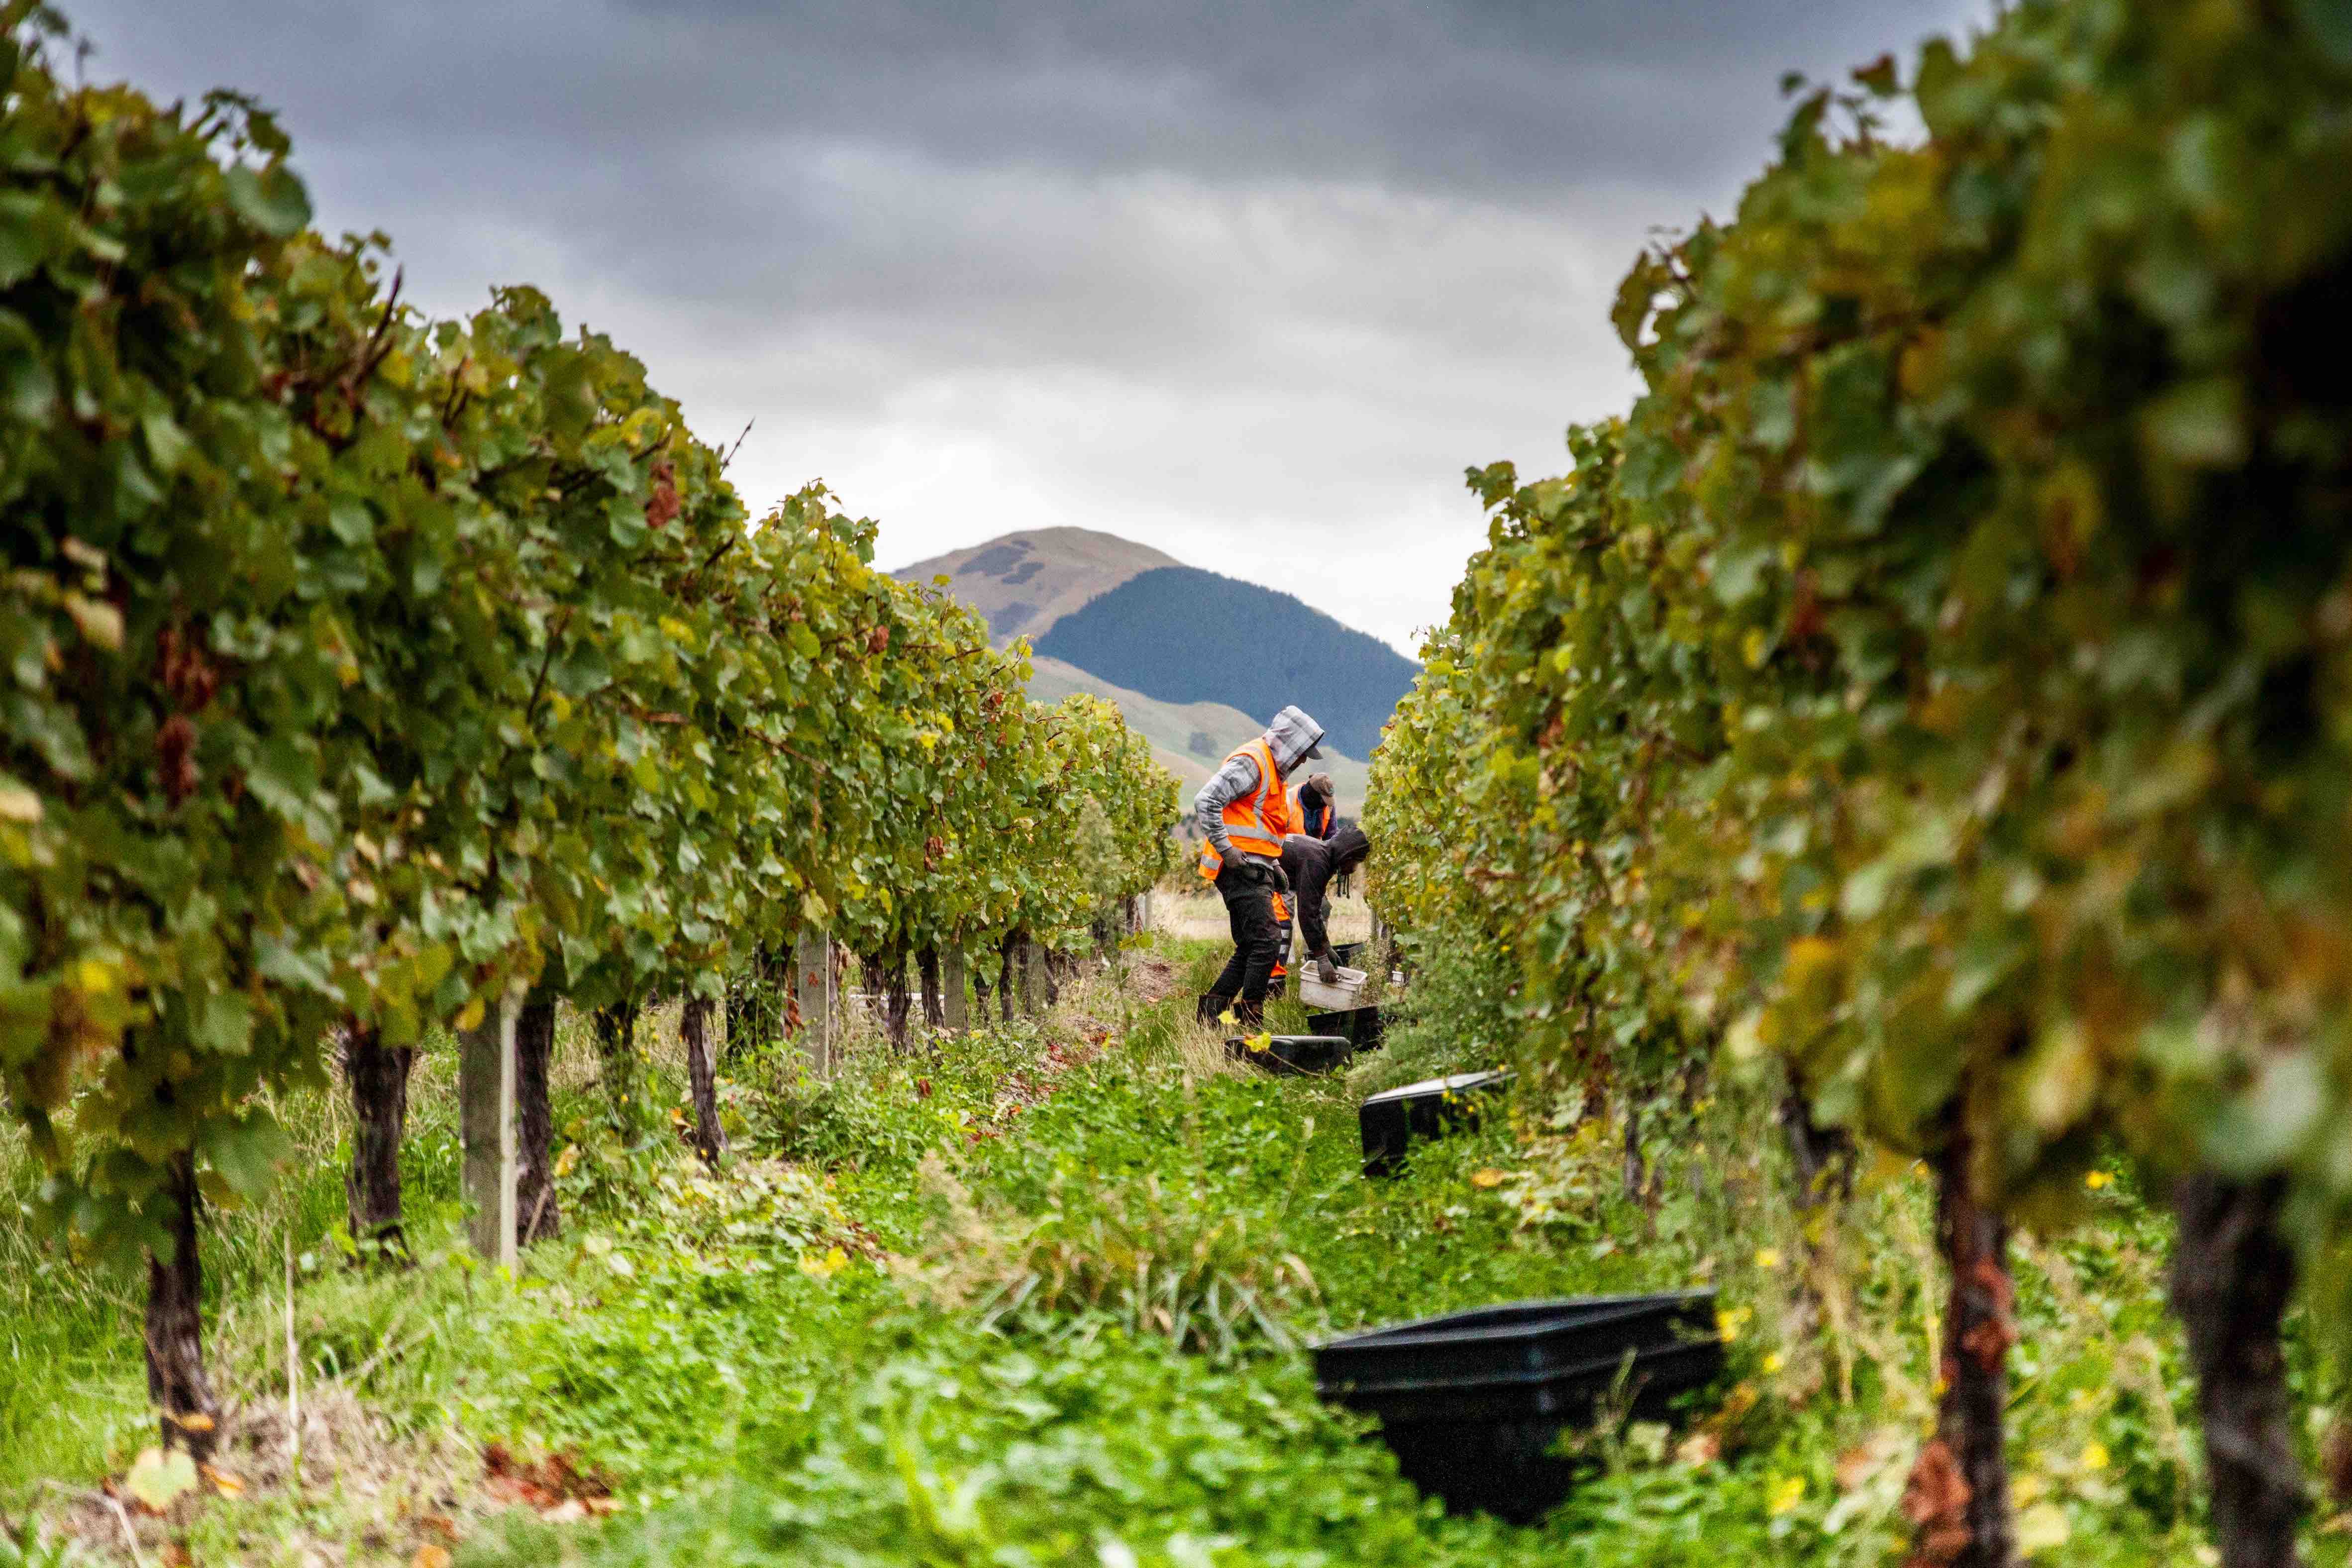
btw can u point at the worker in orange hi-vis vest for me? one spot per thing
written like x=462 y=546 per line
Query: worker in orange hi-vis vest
x=1245 y=810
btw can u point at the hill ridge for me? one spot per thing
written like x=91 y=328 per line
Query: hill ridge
x=1178 y=633
x=1024 y=581
x=1161 y=632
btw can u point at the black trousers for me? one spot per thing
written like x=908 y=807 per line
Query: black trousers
x=1259 y=918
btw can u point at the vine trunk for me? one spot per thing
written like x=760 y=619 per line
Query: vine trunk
x=2233 y=1275
x=378 y=1076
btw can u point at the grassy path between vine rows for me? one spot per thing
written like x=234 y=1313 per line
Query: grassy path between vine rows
x=900 y=1327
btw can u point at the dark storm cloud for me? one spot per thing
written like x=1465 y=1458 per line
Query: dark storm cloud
x=1467 y=93
x=1251 y=283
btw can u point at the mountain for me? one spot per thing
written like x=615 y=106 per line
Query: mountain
x=1022 y=584
x=1186 y=654
x=1181 y=634
x=1191 y=738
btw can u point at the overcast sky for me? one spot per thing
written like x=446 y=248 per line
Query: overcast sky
x=1250 y=284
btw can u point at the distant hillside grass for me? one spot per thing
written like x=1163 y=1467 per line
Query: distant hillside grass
x=1182 y=634
x=1189 y=739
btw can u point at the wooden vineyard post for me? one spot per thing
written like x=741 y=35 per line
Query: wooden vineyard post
x=954 y=999
x=485 y=1125
x=820 y=1006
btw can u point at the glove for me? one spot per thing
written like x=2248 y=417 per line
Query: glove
x=1281 y=877
x=1326 y=971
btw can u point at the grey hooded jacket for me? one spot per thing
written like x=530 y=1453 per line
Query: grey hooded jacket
x=1292 y=737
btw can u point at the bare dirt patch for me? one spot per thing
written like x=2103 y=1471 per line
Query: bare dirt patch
x=401 y=1491
x=1151 y=978
x=364 y=1493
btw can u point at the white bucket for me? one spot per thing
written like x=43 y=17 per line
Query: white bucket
x=1347 y=992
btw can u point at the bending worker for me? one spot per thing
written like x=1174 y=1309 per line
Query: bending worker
x=1245 y=811
x=1318 y=807
x=1311 y=866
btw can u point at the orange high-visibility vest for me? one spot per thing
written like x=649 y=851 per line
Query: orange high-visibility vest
x=1257 y=821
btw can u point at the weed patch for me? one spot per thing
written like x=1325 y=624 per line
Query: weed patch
x=1038 y=1294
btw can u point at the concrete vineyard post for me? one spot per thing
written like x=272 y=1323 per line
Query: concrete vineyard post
x=813 y=963
x=954 y=1000
x=1036 y=979
x=486 y=1096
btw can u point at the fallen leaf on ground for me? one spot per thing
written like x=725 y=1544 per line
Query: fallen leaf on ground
x=2042 y=1527
x=545 y=1485
x=430 y=1556
x=158 y=1480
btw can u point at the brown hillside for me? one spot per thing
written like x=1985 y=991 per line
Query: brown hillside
x=1023 y=583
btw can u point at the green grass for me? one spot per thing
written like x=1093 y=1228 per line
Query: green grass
x=931 y=1313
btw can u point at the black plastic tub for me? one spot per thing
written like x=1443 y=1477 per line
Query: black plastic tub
x=1393 y=1117
x=1294 y=1053
x=1347 y=953
x=1363 y=1026
x=1473 y=1402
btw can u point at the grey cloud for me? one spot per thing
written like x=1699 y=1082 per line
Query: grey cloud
x=1477 y=93
x=1251 y=283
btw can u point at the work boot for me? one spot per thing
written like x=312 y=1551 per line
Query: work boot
x=1250 y=1017
x=1212 y=1007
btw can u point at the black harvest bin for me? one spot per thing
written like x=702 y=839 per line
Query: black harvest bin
x=1293 y=1053
x=1472 y=1403
x=1362 y=1025
x=1393 y=1117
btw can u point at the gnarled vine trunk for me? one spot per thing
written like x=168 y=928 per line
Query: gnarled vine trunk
x=1014 y=950
x=897 y=1002
x=176 y=1384
x=1820 y=1158
x=702 y=1075
x=935 y=1012
x=614 y=1026
x=1958 y=1491
x=1821 y=1169
x=1636 y=1172
x=739 y=1014
x=883 y=975
x=537 y=1215
x=2232 y=1274
x=761 y=1000
x=377 y=1075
